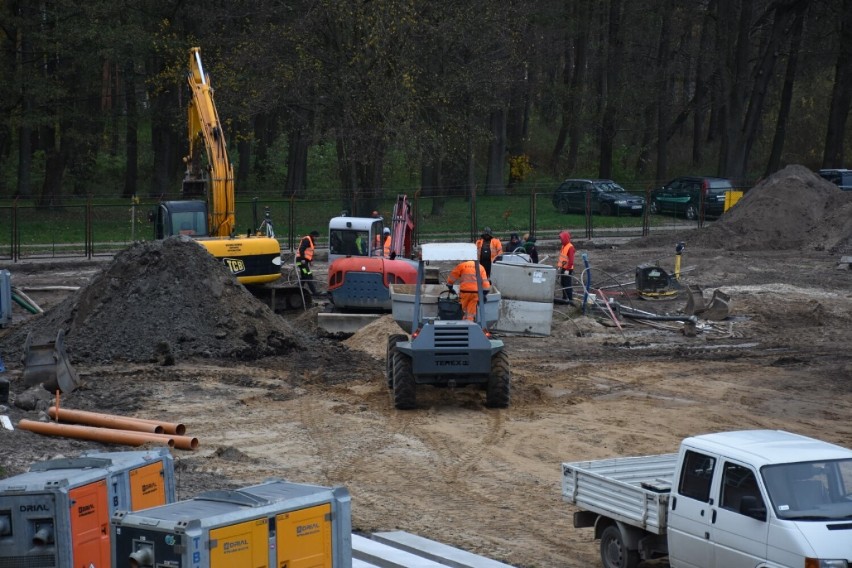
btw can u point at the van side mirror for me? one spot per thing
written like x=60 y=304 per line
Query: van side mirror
x=750 y=507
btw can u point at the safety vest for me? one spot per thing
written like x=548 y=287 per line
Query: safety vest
x=565 y=262
x=465 y=274
x=308 y=253
x=387 y=246
x=496 y=248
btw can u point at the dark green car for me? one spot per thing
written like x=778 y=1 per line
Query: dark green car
x=692 y=196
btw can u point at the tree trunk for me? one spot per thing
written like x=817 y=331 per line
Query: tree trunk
x=494 y=184
x=774 y=162
x=578 y=85
x=131 y=153
x=664 y=90
x=244 y=155
x=297 y=164
x=701 y=98
x=735 y=26
x=782 y=19
x=841 y=95
x=54 y=168
x=612 y=88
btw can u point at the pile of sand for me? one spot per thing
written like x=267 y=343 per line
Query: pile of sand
x=161 y=297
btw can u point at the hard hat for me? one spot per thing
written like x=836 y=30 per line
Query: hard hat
x=386 y=231
x=486 y=231
x=314 y=233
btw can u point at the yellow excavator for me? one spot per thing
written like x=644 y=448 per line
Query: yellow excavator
x=207 y=212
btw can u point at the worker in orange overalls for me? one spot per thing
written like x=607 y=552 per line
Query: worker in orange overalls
x=386 y=249
x=304 y=257
x=488 y=248
x=565 y=265
x=465 y=274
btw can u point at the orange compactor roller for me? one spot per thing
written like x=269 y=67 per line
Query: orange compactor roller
x=57 y=514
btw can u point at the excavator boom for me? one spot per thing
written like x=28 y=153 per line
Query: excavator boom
x=205 y=131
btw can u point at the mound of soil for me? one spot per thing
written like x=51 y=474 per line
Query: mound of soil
x=794 y=209
x=161 y=300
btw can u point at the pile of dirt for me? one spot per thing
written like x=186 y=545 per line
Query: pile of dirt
x=794 y=209
x=160 y=301
x=372 y=339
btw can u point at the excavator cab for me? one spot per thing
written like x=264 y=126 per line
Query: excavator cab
x=173 y=218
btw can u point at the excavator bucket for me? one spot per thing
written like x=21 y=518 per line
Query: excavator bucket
x=719 y=308
x=47 y=364
x=694 y=300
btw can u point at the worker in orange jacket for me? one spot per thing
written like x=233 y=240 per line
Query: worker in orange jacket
x=488 y=248
x=304 y=257
x=565 y=265
x=386 y=249
x=465 y=275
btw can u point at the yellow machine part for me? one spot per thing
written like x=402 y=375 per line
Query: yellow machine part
x=244 y=544
x=304 y=538
x=147 y=486
x=90 y=524
x=253 y=260
x=731 y=198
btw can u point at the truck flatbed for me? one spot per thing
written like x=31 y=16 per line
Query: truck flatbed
x=633 y=490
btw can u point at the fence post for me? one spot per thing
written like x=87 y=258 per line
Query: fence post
x=533 y=221
x=588 y=213
x=16 y=233
x=291 y=222
x=646 y=214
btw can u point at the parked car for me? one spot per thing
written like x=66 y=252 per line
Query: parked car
x=685 y=196
x=605 y=197
x=841 y=178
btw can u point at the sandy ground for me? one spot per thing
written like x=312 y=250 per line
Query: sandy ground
x=489 y=480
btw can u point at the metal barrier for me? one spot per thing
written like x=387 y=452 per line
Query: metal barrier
x=84 y=229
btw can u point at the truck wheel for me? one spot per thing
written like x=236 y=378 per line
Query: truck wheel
x=404 y=395
x=614 y=553
x=391 y=353
x=497 y=392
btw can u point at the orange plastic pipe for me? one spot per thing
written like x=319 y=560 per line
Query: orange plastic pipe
x=104 y=420
x=168 y=427
x=107 y=435
x=180 y=442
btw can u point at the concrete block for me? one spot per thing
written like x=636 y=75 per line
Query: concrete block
x=344 y=323
x=384 y=556
x=443 y=553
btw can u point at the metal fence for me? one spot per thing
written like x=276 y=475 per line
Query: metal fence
x=85 y=228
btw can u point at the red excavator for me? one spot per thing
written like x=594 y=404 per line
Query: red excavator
x=359 y=273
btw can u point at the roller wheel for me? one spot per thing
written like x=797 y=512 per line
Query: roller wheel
x=498 y=391
x=614 y=553
x=404 y=394
x=391 y=353
x=691 y=212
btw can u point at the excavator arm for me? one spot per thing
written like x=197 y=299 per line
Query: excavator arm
x=216 y=180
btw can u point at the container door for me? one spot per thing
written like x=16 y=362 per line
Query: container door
x=690 y=512
x=147 y=486
x=90 y=525
x=304 y=538
x=245 y=545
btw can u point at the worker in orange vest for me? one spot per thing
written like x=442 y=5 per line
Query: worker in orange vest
x=304 y=257
x=386 y=249
x=465 y=275
x=565 y=264
x=488 y=248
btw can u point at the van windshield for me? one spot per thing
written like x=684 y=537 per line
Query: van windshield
x=818 y=491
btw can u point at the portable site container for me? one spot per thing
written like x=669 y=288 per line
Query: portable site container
x=57 y=514
x=274 y=524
